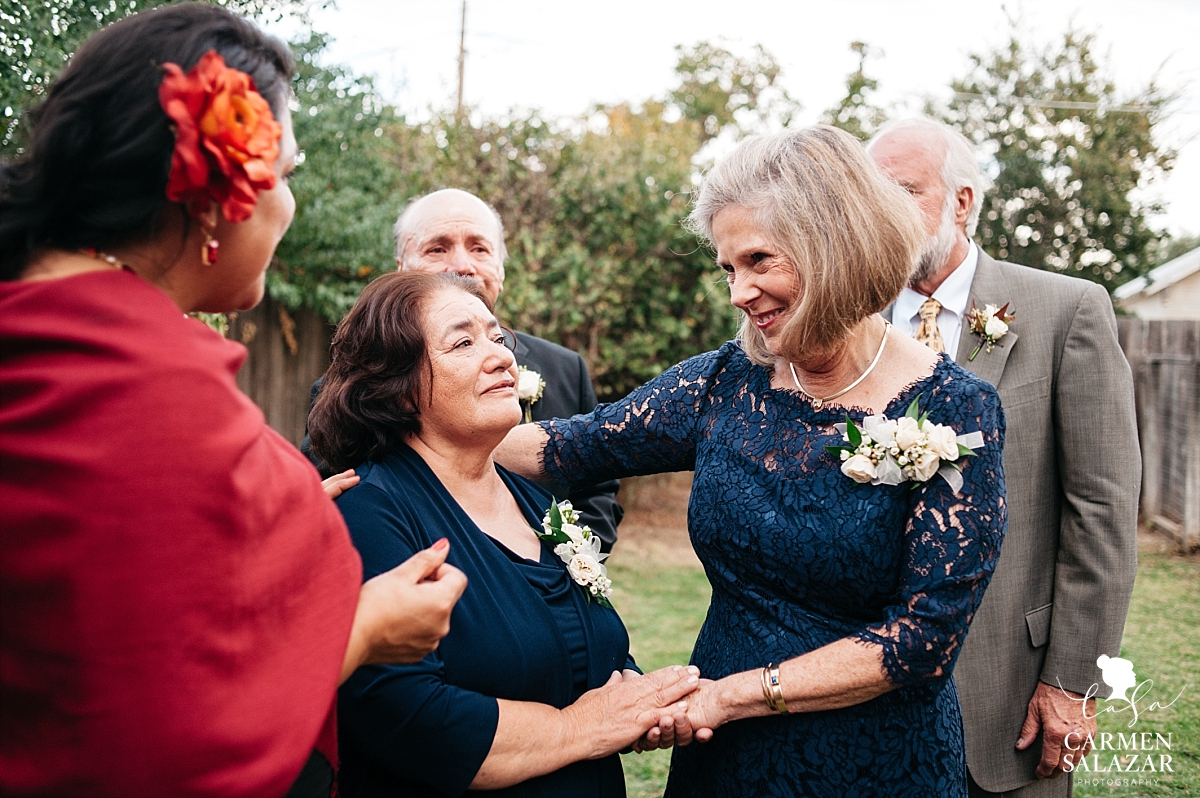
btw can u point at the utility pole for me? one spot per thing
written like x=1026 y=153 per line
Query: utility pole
x=462 y=60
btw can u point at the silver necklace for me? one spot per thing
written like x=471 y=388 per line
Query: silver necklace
x=820 y=403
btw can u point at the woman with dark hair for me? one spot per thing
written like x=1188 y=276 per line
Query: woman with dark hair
x=526 y=695
x=847 y=535
x=179 y=599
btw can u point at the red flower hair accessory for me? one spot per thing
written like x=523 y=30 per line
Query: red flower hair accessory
x=226 y=138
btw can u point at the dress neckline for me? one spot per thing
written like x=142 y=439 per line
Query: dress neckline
x=833 y=414
x=527 y=510
x=541 y=562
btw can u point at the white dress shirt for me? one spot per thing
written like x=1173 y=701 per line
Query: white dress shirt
x=953 y=294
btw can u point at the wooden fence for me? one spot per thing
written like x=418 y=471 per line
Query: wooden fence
x=288 y=350
x=1165 y=358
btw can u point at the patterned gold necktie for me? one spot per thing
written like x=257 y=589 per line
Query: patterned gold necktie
x=928 y=332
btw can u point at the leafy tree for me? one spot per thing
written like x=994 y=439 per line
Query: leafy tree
x=37 y=37
x=597 y=258
x=347 y=189
x=1070 y=154
x=598 y=261
x=854 y=113
x=612 y=273
x=722 y=90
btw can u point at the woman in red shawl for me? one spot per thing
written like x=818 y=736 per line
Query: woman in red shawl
x=178 y=598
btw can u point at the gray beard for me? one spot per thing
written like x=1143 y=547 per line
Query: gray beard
x=938 y=248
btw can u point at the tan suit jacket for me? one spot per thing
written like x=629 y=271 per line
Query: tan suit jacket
x=1073 y=471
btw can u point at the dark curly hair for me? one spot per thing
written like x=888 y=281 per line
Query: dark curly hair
x=95 y=170
x=371 y=395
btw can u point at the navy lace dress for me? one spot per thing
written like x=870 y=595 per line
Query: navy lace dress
x=799 y=555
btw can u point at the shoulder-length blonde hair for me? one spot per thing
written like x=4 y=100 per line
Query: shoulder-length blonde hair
x=852 y=234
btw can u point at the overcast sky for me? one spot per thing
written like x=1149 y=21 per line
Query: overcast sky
x=564 y=56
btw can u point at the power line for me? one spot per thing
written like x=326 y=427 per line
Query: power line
x=1064 y=104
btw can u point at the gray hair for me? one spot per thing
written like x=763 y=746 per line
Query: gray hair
x=960 y=167
x=850 y=233
x=402 y=229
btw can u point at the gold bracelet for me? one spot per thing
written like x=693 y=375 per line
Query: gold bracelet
x=775 y=699
x=766 y=686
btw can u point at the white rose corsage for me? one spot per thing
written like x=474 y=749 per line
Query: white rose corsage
x=990 y=324
x=579 y=548
x=890 y=451
x=529 y=389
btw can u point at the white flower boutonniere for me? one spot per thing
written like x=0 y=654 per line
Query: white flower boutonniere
x=530 y=386
x=990 y=324
x=890 y=451
x=579 y=549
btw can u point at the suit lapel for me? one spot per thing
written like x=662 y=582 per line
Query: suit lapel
x=521 y=351
x=986 y=289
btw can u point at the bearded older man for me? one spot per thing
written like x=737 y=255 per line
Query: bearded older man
x=1061 y=589
x=454 y=231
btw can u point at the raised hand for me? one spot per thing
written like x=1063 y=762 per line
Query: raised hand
x=403 y=614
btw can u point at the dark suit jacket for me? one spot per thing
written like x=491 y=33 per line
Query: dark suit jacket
x=568 y=392
x=1073 y=468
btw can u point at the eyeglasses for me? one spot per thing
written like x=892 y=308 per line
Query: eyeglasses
x=510 y=338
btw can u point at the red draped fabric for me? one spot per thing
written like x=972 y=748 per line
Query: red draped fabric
x=176 y=592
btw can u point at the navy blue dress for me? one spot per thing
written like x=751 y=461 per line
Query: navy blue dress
x=799 y=555
x=522 y=631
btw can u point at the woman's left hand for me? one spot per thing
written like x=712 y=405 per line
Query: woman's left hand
x=338 y=484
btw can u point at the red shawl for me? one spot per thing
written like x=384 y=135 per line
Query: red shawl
x=176 y=592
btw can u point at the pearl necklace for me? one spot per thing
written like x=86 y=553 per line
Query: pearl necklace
x=820 y=403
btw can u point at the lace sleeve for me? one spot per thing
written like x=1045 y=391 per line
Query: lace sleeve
x=650 y=431
x=952 y=544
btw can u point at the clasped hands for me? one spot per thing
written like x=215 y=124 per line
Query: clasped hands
x=677 y=727
x=665 y=708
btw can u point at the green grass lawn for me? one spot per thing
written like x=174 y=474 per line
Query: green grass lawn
x=663 y=606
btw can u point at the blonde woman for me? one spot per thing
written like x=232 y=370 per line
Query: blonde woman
x=839 y=606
